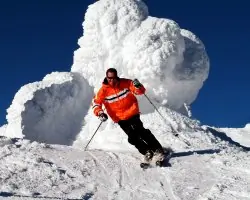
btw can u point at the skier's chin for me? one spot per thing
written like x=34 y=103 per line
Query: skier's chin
x=112 y=84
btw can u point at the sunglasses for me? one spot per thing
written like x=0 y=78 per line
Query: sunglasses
x=111 y=78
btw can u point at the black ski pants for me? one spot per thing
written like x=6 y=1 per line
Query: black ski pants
x=138 y=136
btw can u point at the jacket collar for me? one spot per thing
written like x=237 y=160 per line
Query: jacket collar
x=106 y=84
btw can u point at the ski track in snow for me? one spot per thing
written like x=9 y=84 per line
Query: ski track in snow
x=38 y=171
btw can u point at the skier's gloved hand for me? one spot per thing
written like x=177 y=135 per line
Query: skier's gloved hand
x=136 y=83
x=103 y=116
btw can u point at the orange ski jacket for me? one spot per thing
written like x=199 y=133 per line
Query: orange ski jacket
x=119 y=101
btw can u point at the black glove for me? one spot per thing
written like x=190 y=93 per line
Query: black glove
x=136 y=83
x=103 y=117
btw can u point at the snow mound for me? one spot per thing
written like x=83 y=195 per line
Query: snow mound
x=241 y=135
x=32 y=170
x=3 y=129
x=171 y=62
x=191 y=73
x=247 y=127
x=51 y=110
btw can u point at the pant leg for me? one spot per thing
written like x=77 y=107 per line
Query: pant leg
x=146 y=135
x=133 y=136
x=151 y=140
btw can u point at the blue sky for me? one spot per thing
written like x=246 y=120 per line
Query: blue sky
x=39 y=37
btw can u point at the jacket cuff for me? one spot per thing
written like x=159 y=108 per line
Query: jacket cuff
x=100 y=112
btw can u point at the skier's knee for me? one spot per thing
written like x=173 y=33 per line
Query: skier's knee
x=132 y=140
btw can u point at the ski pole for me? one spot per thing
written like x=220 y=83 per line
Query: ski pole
x=93 y=136
x=175 y=133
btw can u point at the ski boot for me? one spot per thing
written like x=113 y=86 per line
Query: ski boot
x=159 y=157
x=147 y=159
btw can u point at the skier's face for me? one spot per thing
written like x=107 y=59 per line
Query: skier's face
x=112 y=78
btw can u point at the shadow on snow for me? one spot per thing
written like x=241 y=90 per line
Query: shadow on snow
x=87 y=196
x=188 y=153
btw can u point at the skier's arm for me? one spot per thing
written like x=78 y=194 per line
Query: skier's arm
x=97 y=102
x=136 y=87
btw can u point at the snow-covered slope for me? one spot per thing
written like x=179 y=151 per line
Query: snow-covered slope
x=50 y=121
x=211 y=169
x=242 y=135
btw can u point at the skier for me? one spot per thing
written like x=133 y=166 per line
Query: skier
x=117 y=95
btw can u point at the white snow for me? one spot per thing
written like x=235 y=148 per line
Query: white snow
x=171 y=62
x=241 y=135
x=210 y=169
x=3 y=129
x=50 y=121
x=51 y=110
